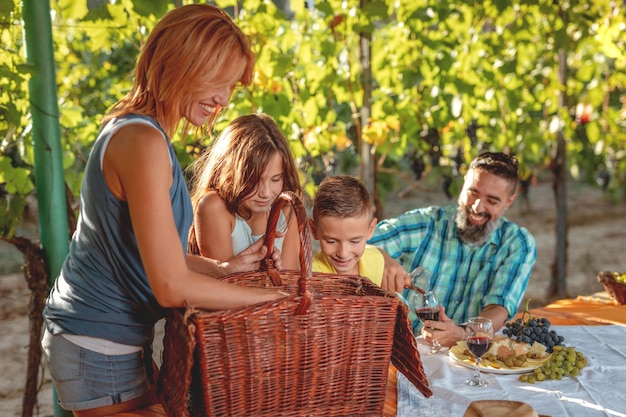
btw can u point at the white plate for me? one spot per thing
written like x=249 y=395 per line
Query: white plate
x=457 y=356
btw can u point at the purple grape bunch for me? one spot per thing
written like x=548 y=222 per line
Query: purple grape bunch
x=533 y=330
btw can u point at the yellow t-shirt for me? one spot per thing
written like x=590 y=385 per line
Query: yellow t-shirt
x=371 y=264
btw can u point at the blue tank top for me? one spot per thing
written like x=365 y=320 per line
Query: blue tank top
x=102 y=290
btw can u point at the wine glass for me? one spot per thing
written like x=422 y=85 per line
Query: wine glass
x=426 y=307
x=479 y=337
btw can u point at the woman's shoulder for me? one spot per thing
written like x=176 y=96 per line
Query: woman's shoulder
x=137 y=125
x=138 y=139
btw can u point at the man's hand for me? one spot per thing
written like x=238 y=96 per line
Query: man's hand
x=448 y=333
x=395 y=278
x=445 y=330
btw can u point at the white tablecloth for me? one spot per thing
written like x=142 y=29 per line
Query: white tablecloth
x=600 y=389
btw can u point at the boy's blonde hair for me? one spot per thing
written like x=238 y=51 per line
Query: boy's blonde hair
x=342 y=196
x=190 y=43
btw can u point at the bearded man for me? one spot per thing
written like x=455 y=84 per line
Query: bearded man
x=479 y=262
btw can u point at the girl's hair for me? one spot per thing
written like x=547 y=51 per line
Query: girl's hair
x=189 y=44
x=235 y=162
x=342 y=196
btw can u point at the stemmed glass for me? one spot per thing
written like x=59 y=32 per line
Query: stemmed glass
x=479 y=337
x=426 y=307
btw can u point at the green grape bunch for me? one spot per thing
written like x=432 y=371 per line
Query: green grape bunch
x=564 y=362
x=530 y=329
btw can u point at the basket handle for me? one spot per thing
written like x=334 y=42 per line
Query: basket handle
x=305 y=245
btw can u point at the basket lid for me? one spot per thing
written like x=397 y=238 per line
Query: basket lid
x=405 y=356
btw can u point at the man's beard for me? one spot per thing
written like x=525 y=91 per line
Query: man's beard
x=472 y=233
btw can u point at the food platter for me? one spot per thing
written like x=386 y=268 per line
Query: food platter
x=456 y=354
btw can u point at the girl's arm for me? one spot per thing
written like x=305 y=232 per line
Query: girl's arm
x=137 y=169
x=248 y=260
x=214 y=224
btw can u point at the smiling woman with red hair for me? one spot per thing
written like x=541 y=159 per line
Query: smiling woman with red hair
x=127 y=259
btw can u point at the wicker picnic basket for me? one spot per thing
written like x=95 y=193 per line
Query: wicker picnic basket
x=324 y=350
x=615 y=290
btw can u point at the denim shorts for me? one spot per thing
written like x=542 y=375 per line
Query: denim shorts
x=85 y=379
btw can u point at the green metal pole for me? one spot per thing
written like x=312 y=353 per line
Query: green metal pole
x=50 y=185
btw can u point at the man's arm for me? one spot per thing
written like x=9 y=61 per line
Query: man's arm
x=390 y=237
x=448 y=332
x=513 y=271
x=497 y=313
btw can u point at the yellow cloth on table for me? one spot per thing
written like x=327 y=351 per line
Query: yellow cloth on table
x=499 y=408
x=590 y=309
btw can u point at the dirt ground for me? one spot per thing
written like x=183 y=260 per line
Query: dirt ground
x=596 y=241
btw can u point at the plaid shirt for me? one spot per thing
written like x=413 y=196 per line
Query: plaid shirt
x=465 y=278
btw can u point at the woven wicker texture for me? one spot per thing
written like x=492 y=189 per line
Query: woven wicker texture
x=616 y=290
x=322 y=351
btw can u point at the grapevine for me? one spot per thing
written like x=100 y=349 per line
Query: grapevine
x=529 y=329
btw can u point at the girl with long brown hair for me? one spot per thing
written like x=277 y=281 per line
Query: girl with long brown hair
x=235 y=184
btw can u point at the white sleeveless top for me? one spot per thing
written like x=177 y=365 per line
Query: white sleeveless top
x=242 y=236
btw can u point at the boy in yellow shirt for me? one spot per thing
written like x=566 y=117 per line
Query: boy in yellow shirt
x=343 y=221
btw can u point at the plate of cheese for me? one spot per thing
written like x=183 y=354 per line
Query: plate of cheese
x=505 y=356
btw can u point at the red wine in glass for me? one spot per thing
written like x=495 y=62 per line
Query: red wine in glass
x=478 y=345
x=426 y=307
x=427 y=314
x=479 y=337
